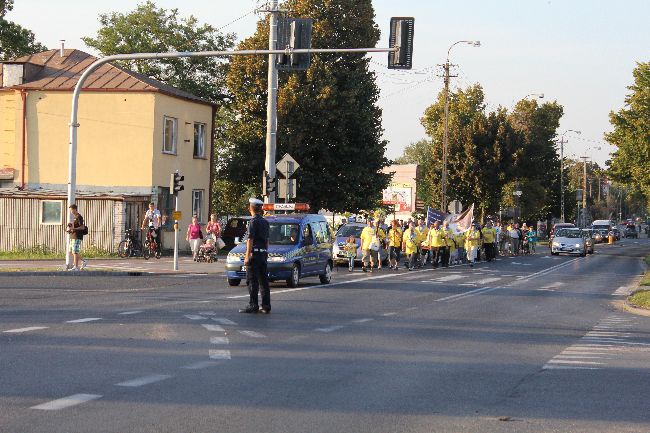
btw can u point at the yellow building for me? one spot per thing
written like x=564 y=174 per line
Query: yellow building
x=134 y=132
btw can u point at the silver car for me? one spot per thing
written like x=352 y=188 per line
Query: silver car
x=342 y=235
x=569 y=241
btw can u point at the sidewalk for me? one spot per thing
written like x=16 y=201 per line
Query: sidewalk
x=155 y=266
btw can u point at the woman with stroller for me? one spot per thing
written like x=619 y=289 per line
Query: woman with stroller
x=213 y=230
x=194 y=236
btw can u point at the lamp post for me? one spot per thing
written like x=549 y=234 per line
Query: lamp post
x=517 y=194
x=445 y=140
x=562 y=141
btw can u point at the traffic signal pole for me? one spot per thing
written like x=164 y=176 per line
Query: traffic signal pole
x=176 y=235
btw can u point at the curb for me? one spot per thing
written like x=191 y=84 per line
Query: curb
x=97 y=274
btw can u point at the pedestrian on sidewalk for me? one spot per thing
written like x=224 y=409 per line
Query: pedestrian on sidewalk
x=351 y=252
x=213 y=230
x=472 y=241
x=194 y=236
x=77 y=229
x=256 y=260
x=515 y=237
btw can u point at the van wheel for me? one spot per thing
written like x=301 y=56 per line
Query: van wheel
x=233 y=282
x=327 y=276
x=294 y=280
x=554 y=254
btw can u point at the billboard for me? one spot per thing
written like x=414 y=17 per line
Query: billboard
x=399 y=194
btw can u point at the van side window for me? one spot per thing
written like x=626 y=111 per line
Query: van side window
x=307 y=236
x=325 y=230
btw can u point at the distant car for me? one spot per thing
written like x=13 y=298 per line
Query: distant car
x=589 y=240
x=600 y=236
x=235 y=228
x=630 y=232
x=342 y=235
x=569 y=241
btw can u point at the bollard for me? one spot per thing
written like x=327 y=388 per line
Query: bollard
x=611 y=239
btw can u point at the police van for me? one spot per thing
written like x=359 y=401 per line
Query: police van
x=300 y=245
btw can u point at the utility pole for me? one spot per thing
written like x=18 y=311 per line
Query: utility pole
x=445 y=139
x=584 y=182
x=272 y=101
x=562 y=179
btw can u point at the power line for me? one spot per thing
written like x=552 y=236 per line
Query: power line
x=238 y=19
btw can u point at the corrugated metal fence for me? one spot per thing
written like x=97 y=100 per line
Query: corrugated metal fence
x=20 y=224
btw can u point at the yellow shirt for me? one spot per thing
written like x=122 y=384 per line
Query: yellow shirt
x=489 y=234
x=367 y=234
x=460 y=240
x=421 y=233
x=411 y=245
x=436 y=237
x=395 y=237
x=472 y=238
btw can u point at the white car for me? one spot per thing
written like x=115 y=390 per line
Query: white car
x=569 y=241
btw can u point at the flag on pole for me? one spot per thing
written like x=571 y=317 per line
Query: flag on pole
x=464 y=220
x=434 y=215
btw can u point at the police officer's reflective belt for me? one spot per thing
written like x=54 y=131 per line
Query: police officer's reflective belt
x=259 y=250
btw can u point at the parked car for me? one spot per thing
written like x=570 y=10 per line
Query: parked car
x=342 y=235
x=630 y=232
x=300 y=245
x=235 y=228
x=589 y=240
x=569 y=241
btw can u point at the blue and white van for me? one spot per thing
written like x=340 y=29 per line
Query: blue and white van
x=300 y=245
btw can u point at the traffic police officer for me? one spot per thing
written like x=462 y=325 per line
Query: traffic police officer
x=256 y=260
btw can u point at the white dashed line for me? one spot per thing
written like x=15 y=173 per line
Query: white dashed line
x=219 y=340
x=65 y=402
x=87 y=319
x=199 y=365
x=194 y=317
x=389 y=314
x=568 y=367
x=20 y=330
x=215 y=328
x=487 y=280
x=207 y=313
x=450 y=278
x=219 y=354
x=128 y=313
x=145 y=380
x=466 y=294
x=223 y=321
x=252 y=334
x=363 y=320
x=329 y=328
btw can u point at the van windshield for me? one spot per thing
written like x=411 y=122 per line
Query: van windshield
x=283 y=233
x=349 y=230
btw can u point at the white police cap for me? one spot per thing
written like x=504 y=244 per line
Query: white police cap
x=255 y=201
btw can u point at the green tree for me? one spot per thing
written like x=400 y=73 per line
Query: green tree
x=631 y=135
x=328 y=119
x=150 y=29
x=15 y=41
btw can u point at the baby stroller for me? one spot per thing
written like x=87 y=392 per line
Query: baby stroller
x=208 y=252
x=525 y=245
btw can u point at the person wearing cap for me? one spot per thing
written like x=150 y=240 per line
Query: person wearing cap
x=256 y=257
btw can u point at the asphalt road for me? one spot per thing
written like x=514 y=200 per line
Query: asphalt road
x=526 y=344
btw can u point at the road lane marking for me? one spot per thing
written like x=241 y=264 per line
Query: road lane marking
x=466 y=294
x=195 y=317
x=450 y=278
x=329 y=328
x=145 y=380
x=219 y=340
x=252 y=334
x=215 y=328
x=560 y=361
x=200 y=365
x=487 y=280
x=65 y=402
x=554 y=285
x=223 y=321
x=568 y=367
x=392 y=313
x=219 y=354
x=21 y=330
x=84 y=320
x=129 y=313
x=580 y=357
x=368 y=319
x=207 y=313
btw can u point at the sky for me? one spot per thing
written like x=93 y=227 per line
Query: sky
x=580 y=53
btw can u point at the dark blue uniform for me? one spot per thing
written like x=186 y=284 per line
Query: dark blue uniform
x=256 y=270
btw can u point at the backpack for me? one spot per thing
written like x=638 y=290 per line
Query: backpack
x=84 y=232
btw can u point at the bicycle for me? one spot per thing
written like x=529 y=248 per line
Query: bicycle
x=151 y=245
x=130 y=246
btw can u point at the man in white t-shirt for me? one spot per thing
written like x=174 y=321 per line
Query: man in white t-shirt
x=154 y=216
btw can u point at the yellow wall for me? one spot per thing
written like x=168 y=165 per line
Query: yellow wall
x=196 y=171
x=11 y=131
x=114 y=138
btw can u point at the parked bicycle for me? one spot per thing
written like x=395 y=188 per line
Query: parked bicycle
x=151 y=246
x=130 y=246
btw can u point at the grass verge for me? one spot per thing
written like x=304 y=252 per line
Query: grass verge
x=641 y=298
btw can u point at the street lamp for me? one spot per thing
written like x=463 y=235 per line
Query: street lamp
x=562 y=141
x=445 y=141
x=517 y=194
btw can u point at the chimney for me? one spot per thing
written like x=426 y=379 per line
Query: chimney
x=62 y=51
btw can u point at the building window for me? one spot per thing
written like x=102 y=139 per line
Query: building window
x=197 y=203
x=51 y=212
x=199 y=140
x=170 y=135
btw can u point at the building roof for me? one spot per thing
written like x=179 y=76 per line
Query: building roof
x=63 y=72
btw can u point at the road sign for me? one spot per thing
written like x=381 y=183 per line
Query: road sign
x=455 y=207
x=287 y=165
x=287 y=188
x=300 y=207
x=177 y=215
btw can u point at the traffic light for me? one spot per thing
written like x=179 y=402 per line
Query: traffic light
x=268 y=184
x=402 y=30
x=175 y=183
x=294 y=33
